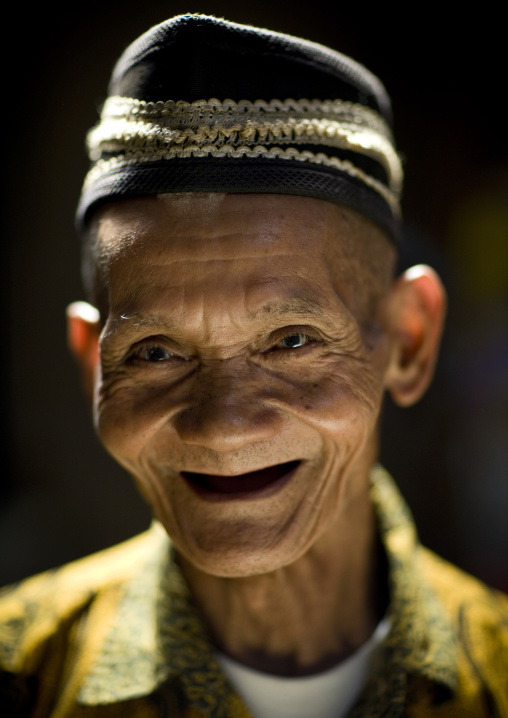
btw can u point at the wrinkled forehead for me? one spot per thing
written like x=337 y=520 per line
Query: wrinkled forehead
x=202 y=226
x=292 y=243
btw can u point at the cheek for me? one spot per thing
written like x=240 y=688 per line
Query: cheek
x=126 y=416
x=340 y=399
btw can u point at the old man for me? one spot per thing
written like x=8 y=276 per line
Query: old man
x=241 y=221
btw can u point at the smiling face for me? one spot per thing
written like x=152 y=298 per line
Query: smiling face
x=243 y=332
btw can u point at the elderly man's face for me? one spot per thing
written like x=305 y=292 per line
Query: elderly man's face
x=242 y=368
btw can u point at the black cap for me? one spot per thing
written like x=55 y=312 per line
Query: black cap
x=199 y=104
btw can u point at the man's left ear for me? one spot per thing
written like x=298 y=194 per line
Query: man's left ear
x=83 y=331
x=416 y=308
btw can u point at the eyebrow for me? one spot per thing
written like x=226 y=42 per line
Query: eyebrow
x=126 y=323
x=300 y=306
x=296 y=306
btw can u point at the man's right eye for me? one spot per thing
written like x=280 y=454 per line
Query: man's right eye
x=152 y=353
x=155 y=354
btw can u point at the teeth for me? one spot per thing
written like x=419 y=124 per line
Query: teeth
x=252 y=481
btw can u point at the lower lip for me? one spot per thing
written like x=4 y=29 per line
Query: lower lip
x=254 y=485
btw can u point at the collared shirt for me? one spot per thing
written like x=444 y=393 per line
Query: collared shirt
x=117 y=634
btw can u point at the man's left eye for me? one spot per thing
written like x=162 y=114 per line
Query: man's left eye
x=293 y=341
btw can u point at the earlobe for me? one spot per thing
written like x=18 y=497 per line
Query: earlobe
x=83 y=331
x=415 y=314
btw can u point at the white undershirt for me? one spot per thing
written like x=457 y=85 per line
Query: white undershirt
x=330 y=694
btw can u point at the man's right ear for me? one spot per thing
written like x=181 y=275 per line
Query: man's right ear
x=83 y=331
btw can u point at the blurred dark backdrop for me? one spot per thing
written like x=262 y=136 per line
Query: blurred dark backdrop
x=61 y=496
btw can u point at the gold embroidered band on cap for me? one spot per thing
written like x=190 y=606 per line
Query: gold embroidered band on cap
x=133 y=131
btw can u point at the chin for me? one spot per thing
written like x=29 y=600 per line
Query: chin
x=236 y=558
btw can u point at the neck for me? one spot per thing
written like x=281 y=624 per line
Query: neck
x=302 y=618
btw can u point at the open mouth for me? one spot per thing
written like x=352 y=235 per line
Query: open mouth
x=241 y=483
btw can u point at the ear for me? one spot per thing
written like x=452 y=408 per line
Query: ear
x=416 y=309
x=83 y=331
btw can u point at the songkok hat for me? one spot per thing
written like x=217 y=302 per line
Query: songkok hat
x=199 y=104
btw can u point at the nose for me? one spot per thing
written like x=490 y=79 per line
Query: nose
x=227 y=411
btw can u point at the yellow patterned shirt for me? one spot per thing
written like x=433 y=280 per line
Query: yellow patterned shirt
x=116 y=634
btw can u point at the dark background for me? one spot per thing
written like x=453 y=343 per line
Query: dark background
x=61 y=496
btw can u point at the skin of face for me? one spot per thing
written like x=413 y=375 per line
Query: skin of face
x=242 y=332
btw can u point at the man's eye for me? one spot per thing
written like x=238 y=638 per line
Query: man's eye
x=153 y=353
x=293 y=341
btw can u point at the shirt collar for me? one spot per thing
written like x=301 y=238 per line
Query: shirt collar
x=421 y=642
x=157 y=633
